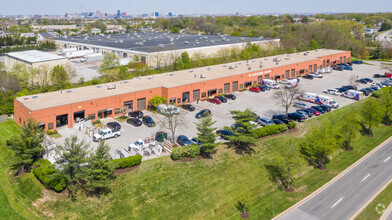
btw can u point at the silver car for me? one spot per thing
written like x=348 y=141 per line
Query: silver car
x=332 y=91
x=300 y=105
x=265 y=122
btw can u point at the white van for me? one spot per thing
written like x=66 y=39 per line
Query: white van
x=309 y=97
x=353 y=94
x=291 y=83
x=271 y=83
x=326 y=100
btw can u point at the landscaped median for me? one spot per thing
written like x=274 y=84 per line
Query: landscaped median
x=204 y=188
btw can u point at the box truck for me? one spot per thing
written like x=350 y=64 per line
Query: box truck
x=326 y=100
x=271 y=83
x=78 y=53
x=64 y=50
x=91 y=57
x=309 y=97
x=353 y=94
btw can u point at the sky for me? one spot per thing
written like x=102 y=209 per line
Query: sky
x=188 y=7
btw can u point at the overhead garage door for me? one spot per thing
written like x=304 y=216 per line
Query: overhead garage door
x=141 y=104
x=235 y=86
x=227 y=88
x=196 y=95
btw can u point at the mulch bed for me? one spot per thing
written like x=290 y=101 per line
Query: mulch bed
x=125 y=170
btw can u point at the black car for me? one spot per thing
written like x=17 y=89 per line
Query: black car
x=283 y=118
x=308 y=77
x=318 y=108
x=296 y=116
x=337 y=67
x=264 y=88
x=114 y=125
x=342 y=89
x=368 y=79
x=366 y=92
x=203 y=113
x=230 y=96
x=277 y=121
x=224 y=133
x=134 y=121
x=363 y=81
x=308 y=112
x=223 y=99
x=183 y=140
x=136 y=114
x=148 y=121
x=350 y=87
x=188 y=107
x=326 y=108
x=374 y=88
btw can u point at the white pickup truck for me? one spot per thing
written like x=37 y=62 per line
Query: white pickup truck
x=140 y=144
x=106 y=134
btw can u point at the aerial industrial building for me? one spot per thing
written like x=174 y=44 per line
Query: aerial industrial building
x=62 y=108
x=33 y=59
x=160 y=49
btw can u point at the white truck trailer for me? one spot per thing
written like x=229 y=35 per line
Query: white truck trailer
x=91 y=57
x=64 y=50
x=78 y=53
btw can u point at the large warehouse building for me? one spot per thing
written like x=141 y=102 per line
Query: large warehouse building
x=61 y=108
x=33 y=59
x=159 y=49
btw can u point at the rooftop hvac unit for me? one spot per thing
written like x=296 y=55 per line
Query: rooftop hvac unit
x=261 y=37
x=149 y=38
x=287 y=58
x=208 y=68
x=231 y=67
x=35 y=97
x=191 y=71
x=186 y=42
x=161 y=45
x=202 y=76
x=305 y=54
x=249 y=68
x=144 y=40
x=277 y=63
x=236 y=66
x=212 y=41
x=224 y=65
x=149 y=77
x=261 y=61
x=227 y=39
x=110 y=87
x=121 y=41
x=261 y=66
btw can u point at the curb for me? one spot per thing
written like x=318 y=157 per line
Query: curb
x=332 y=180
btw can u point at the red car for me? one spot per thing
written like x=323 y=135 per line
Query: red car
x=255 y=89
x=215 y=101
x=315 y=112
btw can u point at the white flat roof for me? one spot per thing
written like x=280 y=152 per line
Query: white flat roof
x=34 y=56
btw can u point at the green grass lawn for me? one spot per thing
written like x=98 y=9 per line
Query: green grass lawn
x=200 y=189
x=370 y=212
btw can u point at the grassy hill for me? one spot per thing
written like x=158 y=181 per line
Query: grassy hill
x=163 y=189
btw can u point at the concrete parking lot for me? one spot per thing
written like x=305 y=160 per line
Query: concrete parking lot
x=261 y=103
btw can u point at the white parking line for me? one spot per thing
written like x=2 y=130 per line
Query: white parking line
x=336 y=202
x=365 y=178
x=387 y=159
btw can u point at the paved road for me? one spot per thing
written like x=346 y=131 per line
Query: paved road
x=347 y=195
x=385 y=39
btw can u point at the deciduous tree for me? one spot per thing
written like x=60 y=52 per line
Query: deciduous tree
x=349 y=130
x=386 y=105
x=285 y=97
x=371 y=115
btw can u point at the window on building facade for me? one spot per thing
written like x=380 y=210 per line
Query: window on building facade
x=91 y=117
x=203 y=95
x=117 y=111
x=241 y=86
x=50 y=126
x=220 y=91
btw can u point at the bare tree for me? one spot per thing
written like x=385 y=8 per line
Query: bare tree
x=286 y=96
x=124 y=111
x=172 y=122
x=352 y=80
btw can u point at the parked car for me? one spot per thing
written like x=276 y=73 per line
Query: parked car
x=255 y=89
x=332 y=91
x=374 y=88
x=148 y=121
x=265 y=88
x=282 y=117
x=215 y=101
x=224 y=133
x=327 y=108
x=368 y=79
x=315 y=112
x=347 y=67
x=342 y=89
x=316 y=75
x=357 y=62
x=114 y=125
x=366 y=92
x=136 y=114
x=221 y=98
x=296 y=117
x=106 y=134
x=363 y=81
x=230 y=96
x=277 y=121
x=195 y=141
x=188 y=107
x=309 y=112
x=203 y=113
x=319 y=109
x=305 y=114
x=264 y=122
x=134 y=121
x=337 y=67
x=183 y=140
x=350 y=87
x=308 y=77
x=300 y=105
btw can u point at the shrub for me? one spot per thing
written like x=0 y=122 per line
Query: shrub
x=96 y=122
x=291 y=124
x=269 y=130
x=378 y=93
x=190 y=151
x=127 y=161
x=49 y=132
x=49 y=176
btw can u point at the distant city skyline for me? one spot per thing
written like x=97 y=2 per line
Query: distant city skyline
x=59 y=7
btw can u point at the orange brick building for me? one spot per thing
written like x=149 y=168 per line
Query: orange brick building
x=62 y=108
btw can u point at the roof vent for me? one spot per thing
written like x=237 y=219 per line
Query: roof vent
x=249 y=68
x=69 y=91
x=277 y=63
x=25 y=98
x=208 y=68
x=191 y=71
x=150 y=77
x=202 y=76
x=261 y=66
x=99 y=86
x=110 y=87
x=224 y=65
x=125 y=82
x=231 y=67
x=35 y=97
x=171 y=74
x=186 y=42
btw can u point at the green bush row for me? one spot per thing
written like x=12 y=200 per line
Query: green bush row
x=190 y=151
x=49 y=176
x=273 y=129
x=49 y=132
x=291 y=124
x=378 y=93
x=96 y=122
x=127 y=161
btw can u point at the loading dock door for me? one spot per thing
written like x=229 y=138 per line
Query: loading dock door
x=196 y=95
x=78 y=115
x=260 y=80
x=287 y=74
x=128 y=105
x=185 y=97
x=226 y=88
x=235 y=86
x=141 y=104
